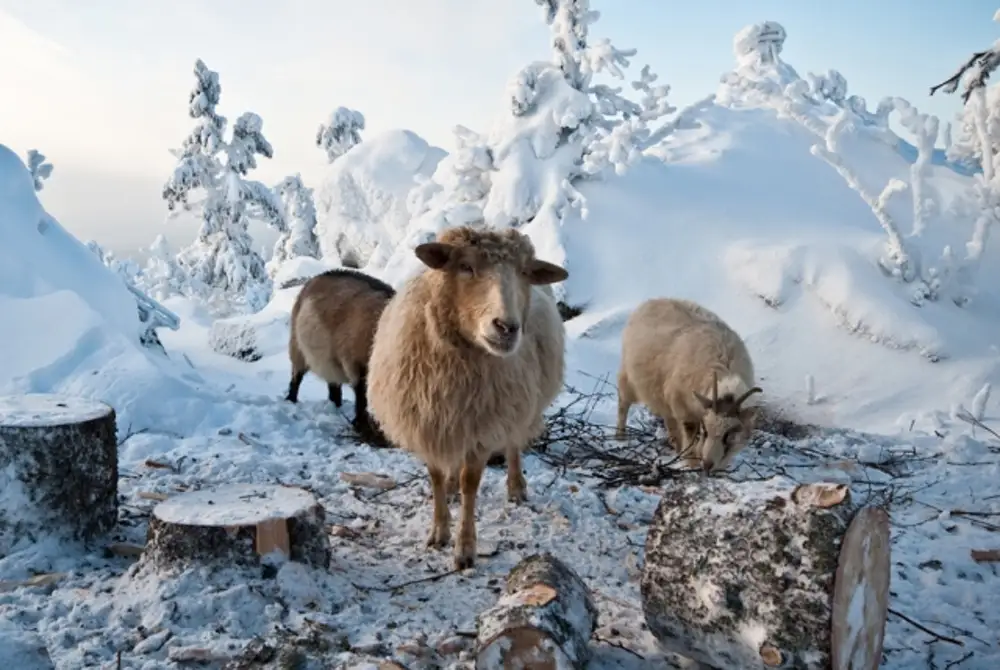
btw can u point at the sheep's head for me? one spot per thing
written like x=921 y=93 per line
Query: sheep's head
x=725 y=427
x=488 y=276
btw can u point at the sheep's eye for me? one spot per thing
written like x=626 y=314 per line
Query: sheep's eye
x=465 y=268
x=727 y=439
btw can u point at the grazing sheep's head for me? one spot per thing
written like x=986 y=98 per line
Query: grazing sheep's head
x=488 y=275
x=725 y=426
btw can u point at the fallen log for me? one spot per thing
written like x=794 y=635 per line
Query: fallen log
x=238 y=524
x=543 y=621
x=767 y=574
x=58 y=466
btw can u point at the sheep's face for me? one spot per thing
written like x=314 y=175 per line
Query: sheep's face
x=725 y=427
x=489 y=278
x=722 y=437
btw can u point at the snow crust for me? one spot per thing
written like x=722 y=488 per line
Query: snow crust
x=37 y=410
x=234 y=505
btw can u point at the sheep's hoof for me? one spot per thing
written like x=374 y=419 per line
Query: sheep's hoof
x=438 y=539
x=465 y=558
x=289 y=398
x=517 y=497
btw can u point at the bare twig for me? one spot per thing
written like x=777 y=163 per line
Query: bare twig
x=925 y=629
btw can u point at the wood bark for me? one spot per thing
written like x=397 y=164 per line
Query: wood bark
x=767 y=574
x=237 y=524
x=543 y=621
x=58 y=466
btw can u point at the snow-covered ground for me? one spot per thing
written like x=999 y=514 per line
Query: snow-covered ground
x=733 y=209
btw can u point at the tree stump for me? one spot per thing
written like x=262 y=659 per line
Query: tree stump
x=237 y=524
x=544 y=620
x=58 y=466
x=767 y=574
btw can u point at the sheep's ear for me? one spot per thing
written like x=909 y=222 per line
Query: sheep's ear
x=434 y=255
x=543 y=272
x=705 y=402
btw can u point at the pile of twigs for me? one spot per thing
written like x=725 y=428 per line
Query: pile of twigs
x=573 y=440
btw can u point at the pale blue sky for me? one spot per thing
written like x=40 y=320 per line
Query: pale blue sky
x=101 y=86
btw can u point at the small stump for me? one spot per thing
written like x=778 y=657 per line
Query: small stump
x=767 y=574
x=544 y=621
x=58 y=466
x=238 y=524
x=235 y=338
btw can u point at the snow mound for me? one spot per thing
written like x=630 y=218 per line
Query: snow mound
x=71 y=326
x=39 y=257
x=361 y=203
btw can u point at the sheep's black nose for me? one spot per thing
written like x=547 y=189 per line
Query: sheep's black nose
x=506 y=328
x=707 y=466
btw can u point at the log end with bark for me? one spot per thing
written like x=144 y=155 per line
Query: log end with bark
x=767 y=574
x=58 y=466
x=543 y=621
x=238 y=524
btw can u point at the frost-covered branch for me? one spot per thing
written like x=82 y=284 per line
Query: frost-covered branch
x=898 y=258
x=39 y=169
x=979 y=67
x=341 y=132
x=924 y=128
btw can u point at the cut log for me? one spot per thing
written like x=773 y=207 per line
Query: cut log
x=543 y=621
x=767 y=574
x=238 y=524
x=58 y=466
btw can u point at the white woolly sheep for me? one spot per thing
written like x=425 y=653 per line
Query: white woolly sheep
x=688 y=367
x=466 y=359
x=332 y=327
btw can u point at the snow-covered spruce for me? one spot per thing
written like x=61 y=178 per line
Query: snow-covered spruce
x=237 y=524
x=544 y=619
x=39 y=169
x=58 y=466
x=767 y=574
x=340 y=133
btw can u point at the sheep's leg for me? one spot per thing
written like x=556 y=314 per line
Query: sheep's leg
x=676 y=437
x=299 y=369
x=517 y=486
x=363 y=423
x=626 y=398
x=465 y=548
x=690 y=442
x=441 y=523
x=294 y=384
x=336 y=394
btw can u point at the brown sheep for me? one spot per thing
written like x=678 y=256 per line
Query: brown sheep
x=691 y=369
x=333 y=324
x=466 y=359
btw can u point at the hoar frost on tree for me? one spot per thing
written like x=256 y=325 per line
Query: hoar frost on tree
x=39 y=169
x=162 y=277
x=341 y=132
x=560 y=128
x=222 y=257
x=152 y=314
x=299 y=237
x=979 y=138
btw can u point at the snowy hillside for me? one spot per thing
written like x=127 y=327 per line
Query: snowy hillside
x=871 y=320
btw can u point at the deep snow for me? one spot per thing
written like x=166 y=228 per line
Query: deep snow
x=733 y=211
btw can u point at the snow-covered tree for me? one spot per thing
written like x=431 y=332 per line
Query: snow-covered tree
x=222 y=257
x=979 y=138
x=162 y=277
x=341 y=132
x=299 y=237
x=39 y=169
x=563 y=124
